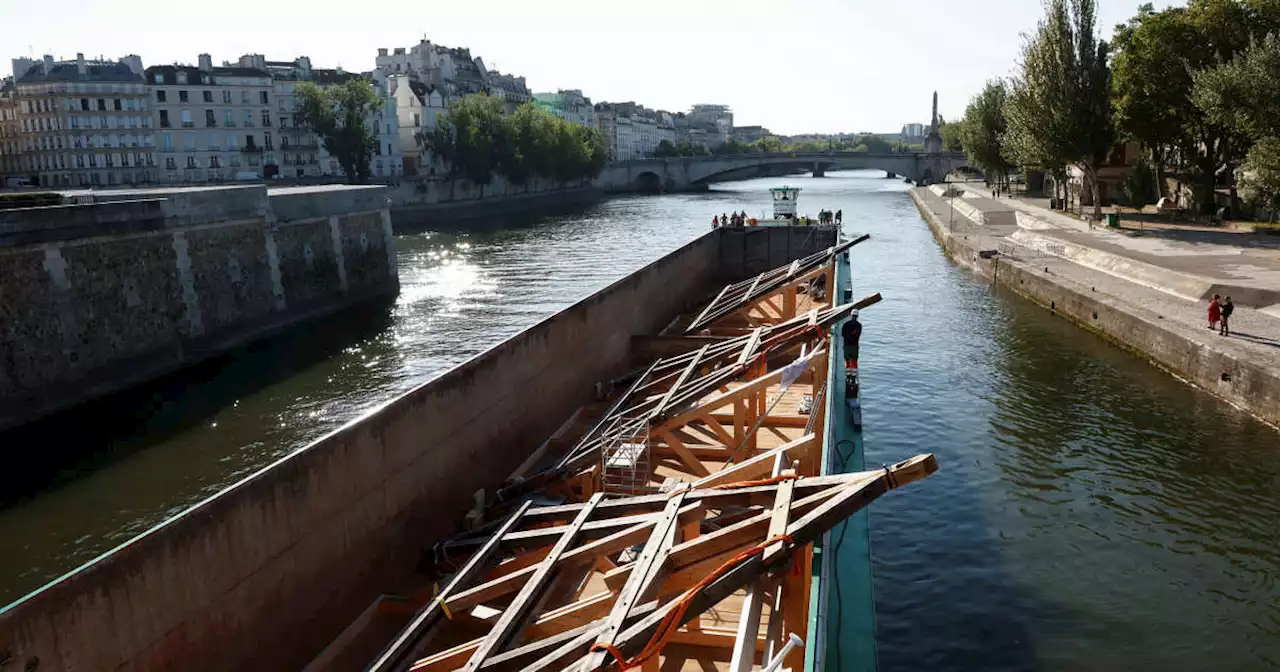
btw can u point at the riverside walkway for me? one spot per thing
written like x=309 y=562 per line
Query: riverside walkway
x=1164 y=277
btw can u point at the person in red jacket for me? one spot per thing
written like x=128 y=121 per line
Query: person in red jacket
x=1215 y=312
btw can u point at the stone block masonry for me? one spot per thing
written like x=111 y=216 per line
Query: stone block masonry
x=124 y=286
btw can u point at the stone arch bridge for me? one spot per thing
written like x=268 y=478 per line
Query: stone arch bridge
x=696 y=172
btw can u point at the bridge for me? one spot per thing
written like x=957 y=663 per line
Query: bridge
x=697 y=172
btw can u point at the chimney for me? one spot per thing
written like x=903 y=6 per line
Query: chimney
x=206 y=62
x=80 y=63
x=48 y=63
x=382 y=52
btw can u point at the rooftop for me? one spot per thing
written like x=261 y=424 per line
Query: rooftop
x=69 y=71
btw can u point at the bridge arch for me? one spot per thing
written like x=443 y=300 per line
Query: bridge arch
x=648 y=182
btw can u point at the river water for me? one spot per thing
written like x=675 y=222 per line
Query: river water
x=1090 y=512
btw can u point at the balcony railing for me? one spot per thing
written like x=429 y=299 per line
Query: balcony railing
x=252 y=149
x=229 y=124
x=188 y=124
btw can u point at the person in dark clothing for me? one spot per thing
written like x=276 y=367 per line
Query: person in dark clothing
x=1227 y=309
x=839 y=216
x=851 y=333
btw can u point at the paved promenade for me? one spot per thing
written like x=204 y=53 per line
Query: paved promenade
x=1164 y=277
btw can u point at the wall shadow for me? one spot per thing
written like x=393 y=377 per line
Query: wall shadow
x=78 y=441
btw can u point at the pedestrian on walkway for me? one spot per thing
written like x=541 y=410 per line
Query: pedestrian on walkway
x=1215 y=311
x=1227 y=309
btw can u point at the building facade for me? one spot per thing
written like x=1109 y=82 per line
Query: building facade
x=79 y=123
x=750 y=134
x=715 y=120
x=10 y=174
x=570 y=105
x=418 y=108
x=214 y=123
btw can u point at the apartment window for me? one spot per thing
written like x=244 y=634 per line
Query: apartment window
x=191 y=161
x=417 y=120
x=208 y=96
x=248 y=117
x=102 y=105
x=266 y=119
x=84 y=104
x=215 y=162
x=262 y=97
x=186 y=119
x=209 y=119
x=79 y=160
x=182 y=78
x=235 y=161
x=158 y=79
x=230 y=119
x=115 y=103
x=189 y=141
x=170 y=163
x=182 y=96
x=215 y=142
x=266 y=140
x=248 y=140
x=244 y=97
x=377 y=149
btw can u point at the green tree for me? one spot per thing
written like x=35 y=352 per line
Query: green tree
x=666 y=148
x=875 y=144
x=770 y=144
x=983 y=129
x=338 y=115
x=1058 y=109
x=1260 y=172
x=950 y=133
x=1158 y=57
x=1243 y=94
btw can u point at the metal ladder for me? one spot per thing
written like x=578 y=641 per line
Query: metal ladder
x=624 y=457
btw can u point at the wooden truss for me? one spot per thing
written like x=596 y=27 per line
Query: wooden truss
x=563 y=587
x=774 y=294
x=685 y=512
x=688 y=400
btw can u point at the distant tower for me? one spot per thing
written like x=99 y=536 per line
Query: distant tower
x=933 y=141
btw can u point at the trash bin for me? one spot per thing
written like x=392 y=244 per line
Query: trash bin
x=1113 y=219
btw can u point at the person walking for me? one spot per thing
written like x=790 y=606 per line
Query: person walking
x=1215 y=311
x=839 y=216
x=1227 y=309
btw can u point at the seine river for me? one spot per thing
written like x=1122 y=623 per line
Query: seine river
x=1091 y=512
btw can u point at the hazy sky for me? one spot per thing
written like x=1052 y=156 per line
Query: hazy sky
x=795 y=67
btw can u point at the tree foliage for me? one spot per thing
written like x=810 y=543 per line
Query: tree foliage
x=950 y=132
x=983 y=129
x=1260 y=172
x=1058 y=109
x=339 y=116
x=477 y=140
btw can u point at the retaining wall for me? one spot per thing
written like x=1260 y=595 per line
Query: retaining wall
x=264 y=574
x=134 y=284
x=750 y=250
x=1237 y=380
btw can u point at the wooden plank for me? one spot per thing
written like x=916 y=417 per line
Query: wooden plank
x=694 y=465
x=399 y=652
x=644 y=571
x=757 y=466
x=513 y=616
x=750 y=348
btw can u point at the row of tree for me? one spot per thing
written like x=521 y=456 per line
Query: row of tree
x=476 y=140
x=1197 y=86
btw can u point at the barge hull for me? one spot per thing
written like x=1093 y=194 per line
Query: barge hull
x=267 y=572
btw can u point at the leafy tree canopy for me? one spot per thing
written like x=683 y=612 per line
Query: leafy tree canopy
x=339 y=116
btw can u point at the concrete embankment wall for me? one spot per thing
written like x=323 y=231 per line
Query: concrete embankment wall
x=267 y=572
x=104 y=295
x=1237 y=380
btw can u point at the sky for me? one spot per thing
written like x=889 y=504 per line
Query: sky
x=799 y=66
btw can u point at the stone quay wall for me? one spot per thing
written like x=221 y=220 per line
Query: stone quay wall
x=124 y=286
x=1239 y=381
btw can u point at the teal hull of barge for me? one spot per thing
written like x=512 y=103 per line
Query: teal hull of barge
x=842 y=602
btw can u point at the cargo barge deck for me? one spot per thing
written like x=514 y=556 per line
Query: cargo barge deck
x=504 y=517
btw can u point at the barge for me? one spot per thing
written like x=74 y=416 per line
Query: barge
x=644 y=479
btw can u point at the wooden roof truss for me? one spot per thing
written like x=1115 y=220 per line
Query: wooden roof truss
x=710 y=398
x=772 y=295
x=561 y=587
